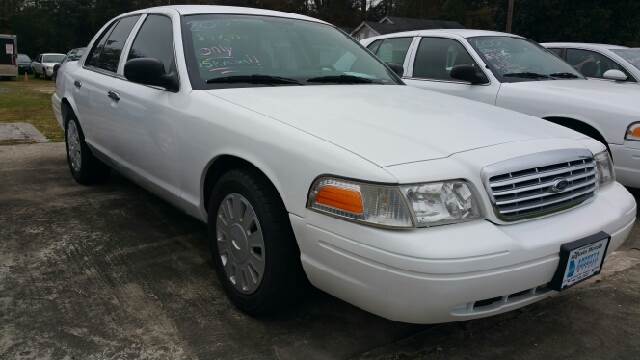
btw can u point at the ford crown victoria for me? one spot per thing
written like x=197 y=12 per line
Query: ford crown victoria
x=310 y=160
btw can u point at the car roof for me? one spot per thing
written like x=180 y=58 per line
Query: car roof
x=583 y=45
x=217 y=9
x=463 y=33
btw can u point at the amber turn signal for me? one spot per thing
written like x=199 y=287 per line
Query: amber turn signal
x=633 y=132
x=341 y=199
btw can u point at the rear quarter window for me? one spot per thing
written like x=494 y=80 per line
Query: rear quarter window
x=105 y=53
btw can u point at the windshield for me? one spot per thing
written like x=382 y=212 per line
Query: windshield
x=22 y=58
x=55 y=59
x=515 y=59
x=631 y=55
x=225 y=51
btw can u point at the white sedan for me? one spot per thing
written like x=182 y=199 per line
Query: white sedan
x=599 y=61
x=309 y=159
x=44 y=64
x=518 y=74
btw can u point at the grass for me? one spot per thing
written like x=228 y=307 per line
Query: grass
x=30 y=102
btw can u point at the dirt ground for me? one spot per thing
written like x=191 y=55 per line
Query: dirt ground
x=113 y=272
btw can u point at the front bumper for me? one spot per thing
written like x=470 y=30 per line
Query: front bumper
x=438 y=274
x=626 y=159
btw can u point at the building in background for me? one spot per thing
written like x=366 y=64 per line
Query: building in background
x=393 y=24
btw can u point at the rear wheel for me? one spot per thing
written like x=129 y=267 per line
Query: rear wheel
x=252 y=244
x=85 y=168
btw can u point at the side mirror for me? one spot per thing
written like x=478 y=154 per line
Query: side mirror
x=616 y=75
x=397 y=68
x=149 y=71
x=468 y=73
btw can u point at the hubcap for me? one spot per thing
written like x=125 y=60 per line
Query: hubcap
x=240 y=243
x=73 y=144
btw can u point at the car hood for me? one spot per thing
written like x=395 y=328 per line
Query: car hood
x=598 y=94
x=391 y=125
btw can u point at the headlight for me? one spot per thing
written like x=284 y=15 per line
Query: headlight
x=604 y=165
x=633 y=132
x=404 y=206
x=441 y=202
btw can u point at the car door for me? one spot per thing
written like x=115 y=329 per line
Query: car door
x=100 y=79
x=431 y=66
x=151 y=115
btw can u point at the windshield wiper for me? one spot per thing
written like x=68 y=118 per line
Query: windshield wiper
x=254 y=79
x=564 y=75
x=342 y=79
x=527 y=75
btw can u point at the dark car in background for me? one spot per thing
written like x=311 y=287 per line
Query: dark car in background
x=24 y=64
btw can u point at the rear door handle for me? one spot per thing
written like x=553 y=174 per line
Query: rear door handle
x=113 y=95
x=77 y=84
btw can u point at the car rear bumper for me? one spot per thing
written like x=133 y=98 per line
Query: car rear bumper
x=626 y=159
x=442 y=273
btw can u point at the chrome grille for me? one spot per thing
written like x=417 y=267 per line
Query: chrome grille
x=563 y=179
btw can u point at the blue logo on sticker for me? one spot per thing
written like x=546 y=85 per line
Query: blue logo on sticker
x=572 y=268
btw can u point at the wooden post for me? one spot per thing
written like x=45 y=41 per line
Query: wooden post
x=510 y=15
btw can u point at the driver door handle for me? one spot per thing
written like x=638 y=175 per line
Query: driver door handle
x=113 y=95
x=77 y=84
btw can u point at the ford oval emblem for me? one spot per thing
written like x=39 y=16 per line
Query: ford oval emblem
x=559 y=186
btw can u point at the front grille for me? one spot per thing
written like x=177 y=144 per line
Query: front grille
x=541 y=190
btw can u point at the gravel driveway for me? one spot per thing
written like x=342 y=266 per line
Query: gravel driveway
x=113 y=272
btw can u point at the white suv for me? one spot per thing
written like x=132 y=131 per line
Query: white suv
x=518 y=74
x=309 y=159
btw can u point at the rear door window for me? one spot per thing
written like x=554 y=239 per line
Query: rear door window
x=373 y=47
x=393 y=51
x=558 y=52
x=106 y=52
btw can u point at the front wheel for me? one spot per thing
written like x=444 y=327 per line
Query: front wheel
x=252 y=244
x=85 y=168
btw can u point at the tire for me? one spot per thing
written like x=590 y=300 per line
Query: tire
x=85 y=168
x=282 y=282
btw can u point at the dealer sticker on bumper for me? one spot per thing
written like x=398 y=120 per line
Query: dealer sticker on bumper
x=580 y=260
